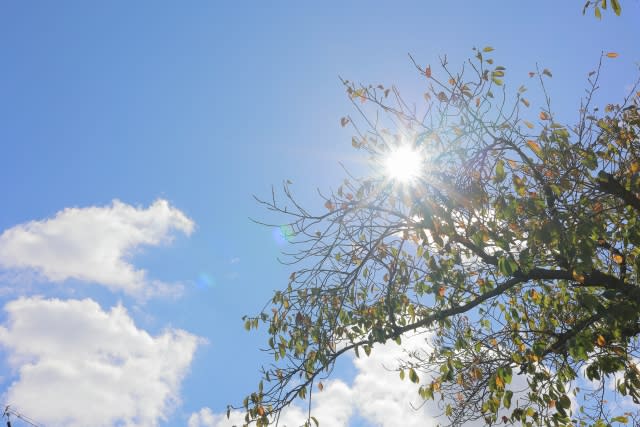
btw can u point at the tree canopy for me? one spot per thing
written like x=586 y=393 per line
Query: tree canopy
x=513 y=247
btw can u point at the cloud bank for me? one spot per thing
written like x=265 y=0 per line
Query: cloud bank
x=80 y=366
x=94 y=244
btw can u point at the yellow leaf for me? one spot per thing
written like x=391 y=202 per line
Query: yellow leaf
x=261 y=411
x=535 y=296
x=544 y=116
x=528 y=124
x=476 y=373
x=534 y=147
x=619 y=259
x=452 y=81
x=499 y=382
x=525 y=102
x=578 y=277
x=441 y=291
x=601 y=341
x=634 y=167
x=493 y=342
x=612 y=55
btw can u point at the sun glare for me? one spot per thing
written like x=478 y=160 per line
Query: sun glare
x=403 y=164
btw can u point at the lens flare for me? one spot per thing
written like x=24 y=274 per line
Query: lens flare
x=283 y=234
x=205 y=281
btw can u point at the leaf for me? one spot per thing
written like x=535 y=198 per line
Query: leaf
x=525 y=102
x=500 y=174
x=528 y=124
x=261 y=411
x=320 y=386
x=488 y=49
x=544 y=115
x=534 y=147
x=615 y=4
x=499 y=382
x=611 y=55
x=507 y=399
x=329 y=205
x=427 y=72
x=620 y=419
x=547 y=72
x=578 y=277
x=344 y=121
x=601 y=341
x=413 y=376
x=442 y=291
x=619 y=259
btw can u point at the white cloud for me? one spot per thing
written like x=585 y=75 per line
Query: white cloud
x=93 y=245
x=332 y=407
x=377 y=395
x=80 y=366
x=381 y=397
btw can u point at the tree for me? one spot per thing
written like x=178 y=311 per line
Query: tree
x=510 y=239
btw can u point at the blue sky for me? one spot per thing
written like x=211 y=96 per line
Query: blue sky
x=203 y=105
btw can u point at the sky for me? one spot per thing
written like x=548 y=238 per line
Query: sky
x=133 y=139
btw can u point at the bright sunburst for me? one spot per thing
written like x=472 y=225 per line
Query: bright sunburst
x=403 y=164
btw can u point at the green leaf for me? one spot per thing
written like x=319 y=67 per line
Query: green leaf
x=413 y=376
x=615 y=4
x=506 y=400
x=500 y=174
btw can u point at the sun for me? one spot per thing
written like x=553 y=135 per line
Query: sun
x=403 y=164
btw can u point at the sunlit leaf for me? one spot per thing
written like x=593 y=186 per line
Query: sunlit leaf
x=534 y=147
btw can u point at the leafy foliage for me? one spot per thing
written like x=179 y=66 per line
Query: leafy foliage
x=599 y=5
x=516 y=252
